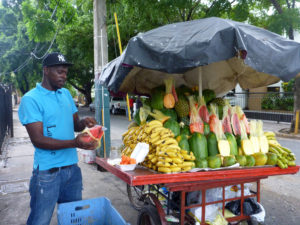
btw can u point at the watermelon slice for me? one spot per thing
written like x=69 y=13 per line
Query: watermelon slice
x=94 y=133
x=213 y=120
x=235 y=122
x=226 y=125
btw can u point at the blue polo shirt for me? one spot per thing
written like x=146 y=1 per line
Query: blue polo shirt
x=55 y=110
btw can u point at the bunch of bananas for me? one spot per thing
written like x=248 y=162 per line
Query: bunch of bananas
x=285 y=156
x=164 y=153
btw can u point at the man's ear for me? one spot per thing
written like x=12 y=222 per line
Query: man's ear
x=45 y=70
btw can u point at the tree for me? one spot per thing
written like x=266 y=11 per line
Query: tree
x=67 y=27
x=15 y=49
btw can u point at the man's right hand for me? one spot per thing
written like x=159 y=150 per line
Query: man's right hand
x=81 y=142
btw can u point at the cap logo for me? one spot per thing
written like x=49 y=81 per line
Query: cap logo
x=61 y=58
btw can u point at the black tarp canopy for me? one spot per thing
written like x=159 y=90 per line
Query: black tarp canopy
x=213 y=52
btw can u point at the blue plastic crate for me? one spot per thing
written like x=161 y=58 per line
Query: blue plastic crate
x=97 y=211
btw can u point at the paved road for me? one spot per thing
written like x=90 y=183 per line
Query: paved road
x=280 y=195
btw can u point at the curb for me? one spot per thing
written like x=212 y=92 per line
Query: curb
x=290 y=136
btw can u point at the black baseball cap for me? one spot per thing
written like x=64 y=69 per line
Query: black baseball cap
x=56 y=59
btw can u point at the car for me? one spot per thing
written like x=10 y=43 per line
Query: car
x=117 y=104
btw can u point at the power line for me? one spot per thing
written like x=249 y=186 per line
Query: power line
x=50 y=46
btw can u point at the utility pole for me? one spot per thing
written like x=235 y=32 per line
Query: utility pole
x=101 y=59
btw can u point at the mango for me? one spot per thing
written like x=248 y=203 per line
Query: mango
x=272 y=159
x=241 y=159
x=214 y=161
x=250 y=160
x=260 y=158
x=202 y=163
x=228 y=161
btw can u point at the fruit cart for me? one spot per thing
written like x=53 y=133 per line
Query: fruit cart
x=183 y=183
x=214 y=55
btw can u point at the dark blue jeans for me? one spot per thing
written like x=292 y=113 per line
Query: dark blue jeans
x=48 y=188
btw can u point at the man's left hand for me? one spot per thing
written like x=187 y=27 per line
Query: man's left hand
x=89 y=121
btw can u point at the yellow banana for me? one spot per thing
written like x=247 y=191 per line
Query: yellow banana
x=154 y=167
x=184 y=152
x=149 y=129
x=171 y=147
x=188 y=164
x=154 y=135
x=164 y=169
x=184 y=169
x=170 y=141
x=177 y=160
x=172 y=164
x=187 y=157
x=175 y=169
x=151 y=123
x=165 y=136
x=172 y=154
x=269 y=134
x=158 y=142
x=125 y=133
x=164 y=159
x=155 y=139
x=158 y=129
x=154 y=160
x=150 y=156
x=163 y=164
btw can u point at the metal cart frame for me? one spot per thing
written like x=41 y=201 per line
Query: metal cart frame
x=198 y=181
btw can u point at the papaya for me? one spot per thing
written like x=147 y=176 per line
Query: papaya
x=198 y=145
x=232 y=144
x=157 y=98
x=185 y=131
x=212 y=144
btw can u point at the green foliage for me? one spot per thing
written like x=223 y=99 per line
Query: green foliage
x=277 y=101
x=288 y=86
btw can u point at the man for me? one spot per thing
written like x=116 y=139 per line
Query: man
x=50 y=116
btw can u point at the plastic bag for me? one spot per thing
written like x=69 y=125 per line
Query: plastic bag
x=234 y=191
x=211 y=195
x=250 y=207
x=259 y=217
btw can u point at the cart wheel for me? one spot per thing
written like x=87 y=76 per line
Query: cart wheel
x=148 y=216
x=135 y=194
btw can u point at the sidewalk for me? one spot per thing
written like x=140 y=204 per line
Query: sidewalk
x=16 y=167
x=15 y=172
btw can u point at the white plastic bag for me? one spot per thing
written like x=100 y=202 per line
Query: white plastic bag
x=259 y=217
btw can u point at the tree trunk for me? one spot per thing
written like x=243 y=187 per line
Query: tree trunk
x=296 y=101
x=88 y=98
x=291 y=32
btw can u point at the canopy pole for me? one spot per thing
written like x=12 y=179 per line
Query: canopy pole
x=200 y=81
x=102 y=110
x=120 y=47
